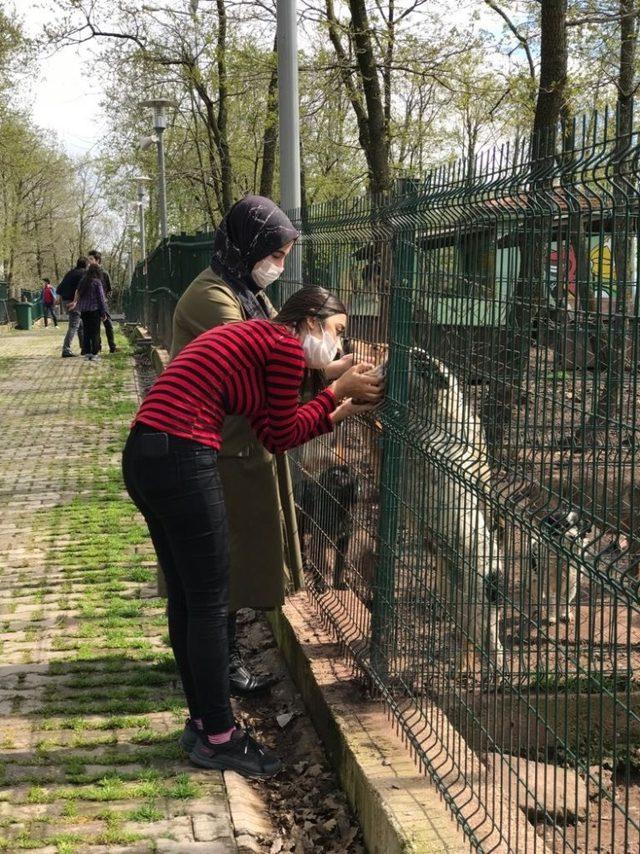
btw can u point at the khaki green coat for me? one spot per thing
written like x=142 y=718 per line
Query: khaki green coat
x=256 y=485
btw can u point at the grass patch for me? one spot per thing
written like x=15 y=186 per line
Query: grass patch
x=110 y=674
x=183 y=788
x=146 y=812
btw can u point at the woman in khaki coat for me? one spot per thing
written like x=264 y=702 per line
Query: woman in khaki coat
x=250 y=247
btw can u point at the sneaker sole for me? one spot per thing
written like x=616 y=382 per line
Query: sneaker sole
x=222 y=765
x=188 y=741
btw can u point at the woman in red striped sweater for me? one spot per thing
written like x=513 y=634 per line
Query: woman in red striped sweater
x=255 y=369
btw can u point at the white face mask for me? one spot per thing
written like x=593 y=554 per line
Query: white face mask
x=265 y=272
x=319 y=352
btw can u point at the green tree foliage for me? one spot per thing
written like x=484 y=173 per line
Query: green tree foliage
x=387 y=89
x=51 y=209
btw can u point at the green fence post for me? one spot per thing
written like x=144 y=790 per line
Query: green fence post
x=393 y=417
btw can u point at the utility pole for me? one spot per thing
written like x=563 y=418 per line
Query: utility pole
x=289 y=121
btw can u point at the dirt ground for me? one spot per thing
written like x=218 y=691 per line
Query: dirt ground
x=305 y=802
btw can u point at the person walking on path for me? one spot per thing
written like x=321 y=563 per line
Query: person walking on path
x=254 y=368
x=66 y=290
x=249 y=251
x=48 y=303
x=96 y=257
x=92 y=305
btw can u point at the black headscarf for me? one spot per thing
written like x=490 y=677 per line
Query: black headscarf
x=254 y=228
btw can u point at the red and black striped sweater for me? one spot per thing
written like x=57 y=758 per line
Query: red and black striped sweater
x=254 y=368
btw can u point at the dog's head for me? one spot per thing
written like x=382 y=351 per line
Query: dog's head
x=428 y=377
x=341 y=483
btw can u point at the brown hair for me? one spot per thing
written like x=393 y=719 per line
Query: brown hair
x=310 y=301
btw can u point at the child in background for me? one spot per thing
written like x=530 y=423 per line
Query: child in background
x=48 y=303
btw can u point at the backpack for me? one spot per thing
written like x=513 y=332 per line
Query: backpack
x=47 y=295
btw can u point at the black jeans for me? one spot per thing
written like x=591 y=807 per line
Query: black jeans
x=176 y=486
x=91 y=332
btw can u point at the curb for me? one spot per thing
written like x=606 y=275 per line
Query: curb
x=399 y=809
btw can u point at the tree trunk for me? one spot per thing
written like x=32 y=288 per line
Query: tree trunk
x=270 y=137
x=553 y=74
x=352 y=90
x=378 y=155
x=38 y=250
x=527 y=300
x=204 y=172
x=388 y=63
x=54 y=252
x=226 y=171
x=15 y=225
x=609 y=402
x=472 y=128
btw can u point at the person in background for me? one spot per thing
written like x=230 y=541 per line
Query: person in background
x=48 y=303
x=254 y=368
x=66 y=290
x=92 y=305
x=249 y=251
x=96 y=258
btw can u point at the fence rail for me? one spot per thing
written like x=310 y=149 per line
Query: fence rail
x=474 y=544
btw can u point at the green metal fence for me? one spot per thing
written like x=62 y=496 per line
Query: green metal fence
x=158 y=282
x=474 y=544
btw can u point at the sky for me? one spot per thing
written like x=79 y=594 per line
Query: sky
x=65 y=97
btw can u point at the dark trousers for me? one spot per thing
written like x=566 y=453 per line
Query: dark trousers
x=49 y=311
x=91 y=332
x=74 y=328
x=108 y=328
x=176 y=486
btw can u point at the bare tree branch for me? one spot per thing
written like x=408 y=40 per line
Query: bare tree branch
x=523 y=41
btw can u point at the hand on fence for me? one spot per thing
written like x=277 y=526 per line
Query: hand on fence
x=337 y=369
x=348 y=408
x=358 y=383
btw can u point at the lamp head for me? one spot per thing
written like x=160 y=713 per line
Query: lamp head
x=159 y=107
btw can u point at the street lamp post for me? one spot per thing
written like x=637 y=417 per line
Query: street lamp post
x=159 y=107
x=132 y=264
x=289 y=117
x=131 y=249
x=141 y=182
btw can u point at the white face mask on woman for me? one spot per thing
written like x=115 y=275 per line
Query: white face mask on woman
x=319 y=352
x=265 y=272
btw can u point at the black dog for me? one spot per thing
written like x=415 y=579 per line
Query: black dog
x=325 y=508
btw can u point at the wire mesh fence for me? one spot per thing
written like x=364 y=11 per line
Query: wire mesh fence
x=160 y=279
x=474 y=543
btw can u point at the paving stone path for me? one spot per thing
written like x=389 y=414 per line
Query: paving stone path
x=90 y=709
